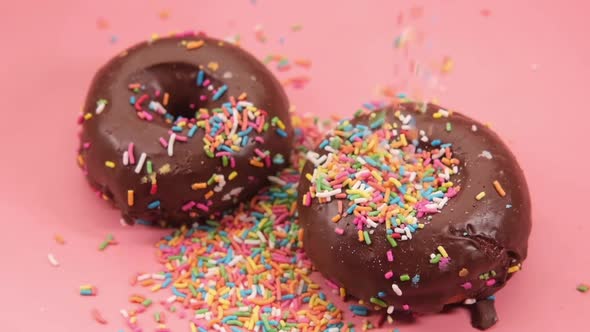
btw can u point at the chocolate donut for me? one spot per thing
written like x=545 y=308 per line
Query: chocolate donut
x=183 y=127
x=412 y=207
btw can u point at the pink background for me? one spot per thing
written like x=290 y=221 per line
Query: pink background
x=524 y=68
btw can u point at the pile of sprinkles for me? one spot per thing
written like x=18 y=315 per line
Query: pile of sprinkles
x=244 y=271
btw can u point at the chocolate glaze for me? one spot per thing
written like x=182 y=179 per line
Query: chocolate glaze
x=480 y=236
x=167 y=65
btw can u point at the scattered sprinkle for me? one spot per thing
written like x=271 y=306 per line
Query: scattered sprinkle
x=480 y=196
x=52 y=260
x=499 y=188
x=583 y=288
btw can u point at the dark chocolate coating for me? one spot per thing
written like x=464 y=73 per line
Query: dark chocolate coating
x=168 y=66
x=483 y=314
x=480 y=236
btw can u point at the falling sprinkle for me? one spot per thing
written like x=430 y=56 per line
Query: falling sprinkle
x=102 y=23
x=296 y=27
x=583 y=288
x=59 y=239
x=97 y=316
x=108 y=241
x=52 y=260
x=164 y=14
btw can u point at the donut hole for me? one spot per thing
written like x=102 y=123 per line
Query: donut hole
x=174 y=85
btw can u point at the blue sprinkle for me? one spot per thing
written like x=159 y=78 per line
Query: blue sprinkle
x=228 y=318
x=176 y=129
x=235 y=329
x=219 y=92
x=287 y=297
x=435 y=142
x=132 y=100
x=492 y=297
x=428 y=179
x=324 y=143
x=201 y=329
x=245 y=132
x=322 y=296
x=416 y=279
x=381 y=294
x=177 y=293
x=200 y=77
x=245 y=140
x=281 y=132
x=402 y=171
x=446 y=145
x=154 y=205
x=225 y=148
x=192 y=131
x=166 y=283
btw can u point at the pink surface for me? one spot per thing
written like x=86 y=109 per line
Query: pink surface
x=524 y=68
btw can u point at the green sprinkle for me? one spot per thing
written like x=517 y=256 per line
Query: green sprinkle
x=366 y=236
x=391 y=241
x=209 y=154
x=146 y=303
x=234 y=322
x=436 y=259
x=201 y=311
x=265 y=322
x=224 y=161
x=449 y=127
x=149 y=167
x=378 y=302
x=404 y=277
x=582 y=288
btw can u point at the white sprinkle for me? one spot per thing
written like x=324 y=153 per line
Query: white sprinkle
x=486 y=154
x=52 y=260
x=407 y=119
x=158 y=276
x=238 y=239
x=171 y=144
x=406 y=127
x=252 y=242
x=371 y=223
x=443 y=112
x=473 y=128
x=235 y=261
x=100 y=107
x=396 y=289
x=140 y=162
x=123 y=222
x=399 y=230
x=276 y=180
x=143 y=277
x=469 y=301
x=424 y=139
x=361 y=160
x=404 y=238
x=235 y=117
x=408 y=233
x=124 y=313
x=390 y=309
x=228 y=75
x=361 y=200
x=412 y=176
x=330 y=193
x=126 y=158
x=261 y=236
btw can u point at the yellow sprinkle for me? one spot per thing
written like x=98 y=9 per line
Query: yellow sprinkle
x=514 y=268
x=480 y=195
x=194 y=44
x=156 y=288
x=403 y=139
x=442 y=251
x=281 y=124
x=342 y=292
x=213 y=65
x=437 y=115
x=109 y=164
x=194 y=327
x=232 y=175
x=130 y=198
x=499 y=188
x=87 y=116
x=361 y=236
x=410 y=199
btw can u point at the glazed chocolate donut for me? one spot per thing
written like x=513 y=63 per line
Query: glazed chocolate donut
x=412 y=207
x=183 y=127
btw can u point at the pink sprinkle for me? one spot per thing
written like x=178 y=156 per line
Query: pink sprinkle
x=332 y=284
x=406 y=307
x=206 y=82
x=451 y=192
x=203 y=98
x=130 y=149
x=181 y=138
x=427 y=162
x=222 y=154
x=388 y=275
x=339 y=230
x=86 y=145
x=147 y=116
x=438 y=164
x=163 y=142
x=158 y=92
x=390 y=255
x=202 y=206
x=259 y=139
x=259 y=153
x=467 y=285
x=232 y=162
x=491 y=282
x=188 y=206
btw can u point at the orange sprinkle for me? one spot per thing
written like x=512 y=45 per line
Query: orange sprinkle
x=209 y=194
x=499 y=188
x=256 y=163
x=130 y=198
x=199 y=185
x=336 y=218
x=194 y=44
x=166 y=98
x=361 y=236
x=243 y=96
x=59 y=239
